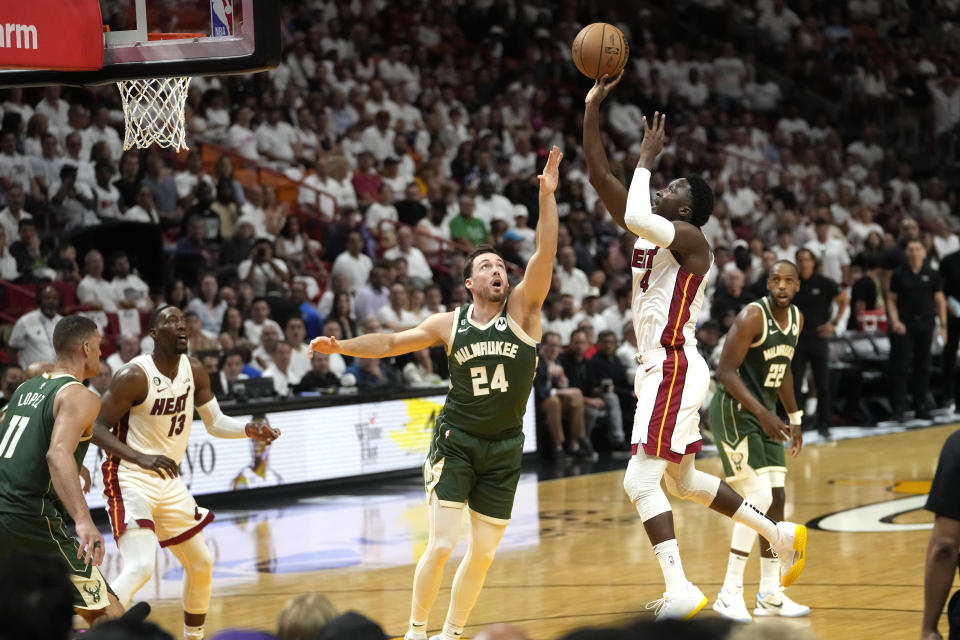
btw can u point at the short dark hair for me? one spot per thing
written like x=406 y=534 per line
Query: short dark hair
x=70 y=333
x=808 y=252
x=468 y=265
x=701 y=200
x=123 y=628
x=606 y=333
x=155 y=318
x=789 y=264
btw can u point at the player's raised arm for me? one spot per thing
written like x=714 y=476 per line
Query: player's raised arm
x=747 y=327
x=215 y=421
x=609 y=188
x=434 y=330
x=74 y=410
x=533 y=289
x=128 y=388
x=676 y=235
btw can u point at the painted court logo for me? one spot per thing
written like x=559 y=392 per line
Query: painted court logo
x=882 y=517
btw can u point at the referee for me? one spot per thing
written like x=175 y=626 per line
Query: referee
x=815 y=300
x=915 y=291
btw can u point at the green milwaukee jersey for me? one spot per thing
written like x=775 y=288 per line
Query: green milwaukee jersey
x=768 y=359
x=25 y=433
x=491 y=373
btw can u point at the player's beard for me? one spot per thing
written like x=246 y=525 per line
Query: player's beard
x=496 y=296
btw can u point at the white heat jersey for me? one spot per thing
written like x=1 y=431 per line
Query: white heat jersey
x=666 y=298
x=160 y=425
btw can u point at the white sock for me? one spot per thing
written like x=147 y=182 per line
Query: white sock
x=769 y=575
x=192 y=633
x=417 y=630
x=451 y=632
x=752 y=517
x=735 y=566
x=668 y=554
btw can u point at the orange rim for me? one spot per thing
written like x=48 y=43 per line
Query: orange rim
x=174 y=36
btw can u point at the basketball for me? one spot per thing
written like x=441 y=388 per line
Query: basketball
x=599 y=49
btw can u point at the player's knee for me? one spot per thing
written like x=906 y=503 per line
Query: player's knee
x=639 y=485
x=141 y=567
x=203 y=561
x=760 y=497
x=675 y=488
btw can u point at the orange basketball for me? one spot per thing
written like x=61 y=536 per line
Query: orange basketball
x=600 y=48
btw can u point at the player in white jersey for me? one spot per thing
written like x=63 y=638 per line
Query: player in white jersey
x=670 y=261
x=149 y=406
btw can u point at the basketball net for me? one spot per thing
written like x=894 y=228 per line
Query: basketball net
x=153 y=111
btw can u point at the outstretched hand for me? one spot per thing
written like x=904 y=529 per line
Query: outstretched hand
x=653 y=138
x=602 y=87
x=551 y=173
x=324 y=344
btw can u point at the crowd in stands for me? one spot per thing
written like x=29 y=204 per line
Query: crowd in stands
x=414 y=133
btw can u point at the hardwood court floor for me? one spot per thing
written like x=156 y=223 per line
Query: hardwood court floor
x=576 y=554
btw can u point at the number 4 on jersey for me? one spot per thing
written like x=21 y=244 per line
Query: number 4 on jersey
x=479 y=377
x=645 y=280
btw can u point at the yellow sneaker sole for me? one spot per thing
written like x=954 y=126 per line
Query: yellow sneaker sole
x=799 y=546
x=700 y=606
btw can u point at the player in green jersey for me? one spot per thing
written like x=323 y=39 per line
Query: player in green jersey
x=754 y=371
x=475 y=454
x=44 y=435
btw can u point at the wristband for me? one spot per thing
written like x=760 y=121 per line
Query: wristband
x=795 y=418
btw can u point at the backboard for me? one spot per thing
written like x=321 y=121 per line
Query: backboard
x=226 y=36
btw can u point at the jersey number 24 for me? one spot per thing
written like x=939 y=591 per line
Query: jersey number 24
x=479 y=377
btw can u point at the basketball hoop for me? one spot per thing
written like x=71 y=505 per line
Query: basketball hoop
x=153 y=107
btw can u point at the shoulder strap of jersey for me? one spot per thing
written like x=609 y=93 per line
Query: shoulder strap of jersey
x=763 y=309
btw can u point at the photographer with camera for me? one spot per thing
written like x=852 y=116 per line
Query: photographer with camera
x=263 y=271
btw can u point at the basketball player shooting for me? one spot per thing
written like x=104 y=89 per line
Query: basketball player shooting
x=754 y=371
x=474 y=458
x=149 y=406
x=670 y=261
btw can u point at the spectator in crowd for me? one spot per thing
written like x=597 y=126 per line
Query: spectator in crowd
x=93 y=290
x=128 y=347
x=372 y=373
x=394 y=316
x=341 y=314
x=816 y=300
x=30 y=253
x=199 y=339
x=618 y=316
x=417 y=267
x=231 y=369
x=464 y=227
x=312 y=320
x=72 y=200
x=263 y=271
x=559 y=403
x=16 y=168
x=865 y=292
x=128 y=184
x=606 y=366
x=106 y=195
x=599 y=398
x=432 y=231
x=353 y=264
x=32 y=333
x=129 y=290
x=11 y=379
x=557 y=316
x=320 y=376
x=281 y=371
x=573 y=281
x=233 y=331
x=264 y=352
x=144 y=210
x=832 y=254
x=10 y=216
x=225 y=206
x=295 y=333
x=208 y=306
x=729 y=299
x=419 y=371
x=101 y=382
x=411 y=208
x=259 y=318
x=914 y=303
x=163 y=188
x=8 y=264
x=365 y=180
x=303 y=616
x=375 y=294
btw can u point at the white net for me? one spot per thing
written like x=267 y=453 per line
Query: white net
x=153 y=110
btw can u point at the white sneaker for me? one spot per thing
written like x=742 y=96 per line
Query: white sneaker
x=410 y=635
x=791 y=549
x=730 y=605
x=776 y=603
x=679 y=606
